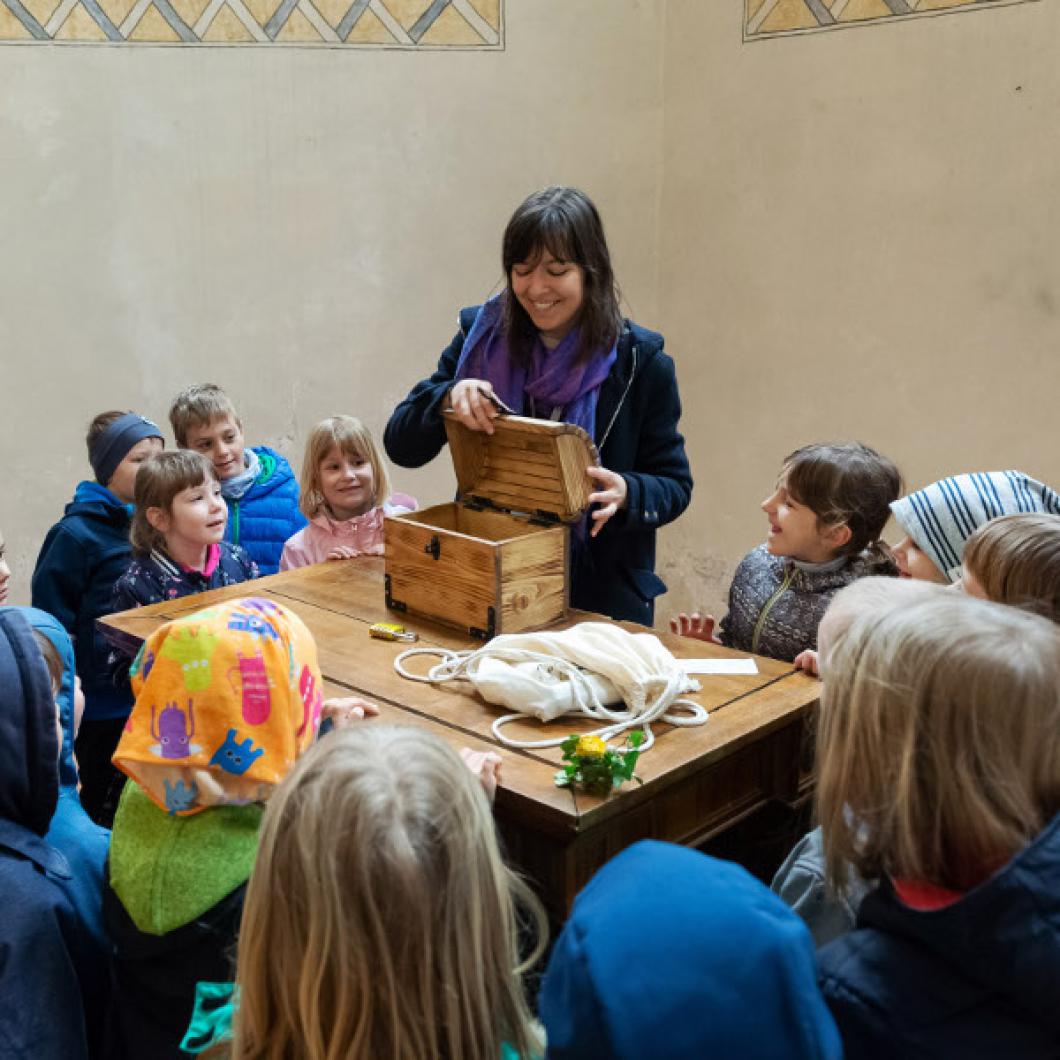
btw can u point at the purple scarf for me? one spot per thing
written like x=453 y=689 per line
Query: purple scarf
x=554 y=379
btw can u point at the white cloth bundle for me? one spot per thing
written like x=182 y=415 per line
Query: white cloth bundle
x=595 y=669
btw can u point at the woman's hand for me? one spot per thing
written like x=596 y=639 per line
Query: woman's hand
x=347 y=710
x=472 y=406
x=695 y=625
x=486 y=765
x=610 y=494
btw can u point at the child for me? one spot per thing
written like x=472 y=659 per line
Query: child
x=257 y=483
x=345 y=495
x=939 y=777
x=177 y=533
x=82 y=558
x=938 y=520
x=671 y=954
x=800 y=880
x=226 y=700
x=1016 y=560
x=381 y=920
x=825 y=519
x=51 y=966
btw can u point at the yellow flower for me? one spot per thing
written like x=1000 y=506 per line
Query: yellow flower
x=590 y=747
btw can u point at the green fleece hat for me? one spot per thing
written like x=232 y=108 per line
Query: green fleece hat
x=169 y=870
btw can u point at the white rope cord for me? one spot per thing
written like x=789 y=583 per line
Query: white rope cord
x=662 y=695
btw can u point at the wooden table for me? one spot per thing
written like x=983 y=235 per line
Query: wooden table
x=698 y=782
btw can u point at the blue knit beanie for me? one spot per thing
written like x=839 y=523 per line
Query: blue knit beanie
x=941 y=517
x=109 y=449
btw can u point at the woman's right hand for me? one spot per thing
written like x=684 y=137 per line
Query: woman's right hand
x=472 y=406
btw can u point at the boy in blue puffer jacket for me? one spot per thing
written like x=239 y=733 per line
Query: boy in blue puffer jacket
x=82 y=558
x=257 y=482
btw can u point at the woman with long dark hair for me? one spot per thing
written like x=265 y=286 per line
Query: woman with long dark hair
x=554 y=345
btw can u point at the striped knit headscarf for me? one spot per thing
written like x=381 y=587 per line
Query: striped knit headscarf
x=941 y=517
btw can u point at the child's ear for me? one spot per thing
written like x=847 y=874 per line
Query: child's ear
x=158 y=518
x=838 y=535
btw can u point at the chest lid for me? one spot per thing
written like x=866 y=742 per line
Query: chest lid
x=526 y=465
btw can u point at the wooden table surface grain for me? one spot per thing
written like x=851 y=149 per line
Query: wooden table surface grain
x=698 y=781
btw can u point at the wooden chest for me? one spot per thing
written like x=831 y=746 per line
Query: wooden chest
x=497 y=559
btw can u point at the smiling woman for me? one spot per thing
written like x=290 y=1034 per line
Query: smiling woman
x=554 y=345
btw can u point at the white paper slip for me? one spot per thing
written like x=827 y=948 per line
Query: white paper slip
x=719 y=666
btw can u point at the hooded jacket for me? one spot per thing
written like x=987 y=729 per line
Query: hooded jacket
x=72 y=832
x=266 y=515
x=46 y=955
x=82 y=558
x=671 y=954
x=979 y=978
x=637 y=415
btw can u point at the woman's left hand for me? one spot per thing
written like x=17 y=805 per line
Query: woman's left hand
x=610 y=495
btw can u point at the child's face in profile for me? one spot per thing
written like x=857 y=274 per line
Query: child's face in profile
x=794 y=530
x=5 y=571
x=221 y=442
x=123 y=482
x=347 y=483
x=912 y=562
x=196 y=517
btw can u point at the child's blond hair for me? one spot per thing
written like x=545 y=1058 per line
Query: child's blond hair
x=380 y=919
x=354 y=440
x=198 y=406
x=938 y=754
x=158 y=481
x=1016 y=560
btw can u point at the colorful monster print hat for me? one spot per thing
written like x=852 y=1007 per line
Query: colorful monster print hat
x=226 y=700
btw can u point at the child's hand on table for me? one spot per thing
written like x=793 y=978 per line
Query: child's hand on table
x=343 y=552
x=486 y=765
x=347 y=710
x=807 y=661
x=696 y=626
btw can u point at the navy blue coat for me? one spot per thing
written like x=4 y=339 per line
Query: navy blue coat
x=637 y=415
x=47 y=957
x=82 y=558
x=979 y=978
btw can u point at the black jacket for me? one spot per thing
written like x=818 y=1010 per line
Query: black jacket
x=979 y=978
x=637 y=414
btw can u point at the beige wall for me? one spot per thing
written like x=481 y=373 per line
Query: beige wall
x=300 y=226
x=847 y=234
x=859 y=238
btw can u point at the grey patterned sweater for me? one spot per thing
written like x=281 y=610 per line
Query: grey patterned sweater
x=776 y=603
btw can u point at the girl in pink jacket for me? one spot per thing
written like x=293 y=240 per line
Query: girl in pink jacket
x=345 y=493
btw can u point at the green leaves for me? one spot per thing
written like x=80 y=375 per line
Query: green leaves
x=599 y=774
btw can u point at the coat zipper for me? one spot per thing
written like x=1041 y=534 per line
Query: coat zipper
x=769 y=605
x=235 y=526
x=621 y=402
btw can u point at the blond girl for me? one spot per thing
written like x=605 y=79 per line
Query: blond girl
x=939 y=779
x=381 y=921
x=345 y=493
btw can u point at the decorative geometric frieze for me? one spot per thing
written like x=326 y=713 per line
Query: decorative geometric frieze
x=770 y=18
x=334 y=23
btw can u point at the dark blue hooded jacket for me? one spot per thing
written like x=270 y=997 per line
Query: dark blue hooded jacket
x=266 y=515
x=673 y=955
x=82 y=557
x=977 y=979
x=637 y=415
x=47 y=956
x=72 y=832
